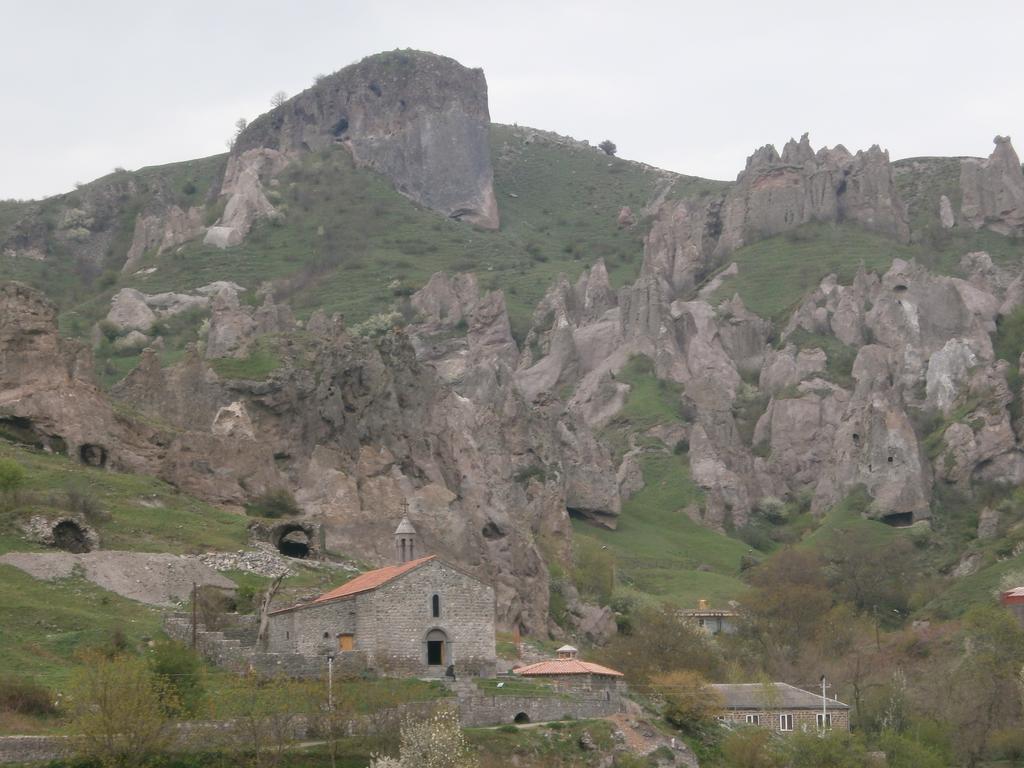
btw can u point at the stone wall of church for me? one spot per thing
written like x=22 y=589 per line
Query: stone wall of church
x=314 y=630
x=390 y=624
x=404 y=608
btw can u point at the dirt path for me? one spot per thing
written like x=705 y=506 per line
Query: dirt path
x=152 y=578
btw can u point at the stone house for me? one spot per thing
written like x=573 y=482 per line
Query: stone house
x=570 y=675
x=714 y=621
x=780 y=707
x=421 y=617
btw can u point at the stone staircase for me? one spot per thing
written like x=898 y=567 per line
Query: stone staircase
x=233 y=647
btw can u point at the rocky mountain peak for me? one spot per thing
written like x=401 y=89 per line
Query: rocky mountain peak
x=418 y=118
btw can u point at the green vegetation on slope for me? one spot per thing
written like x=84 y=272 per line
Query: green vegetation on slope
x=348 y=242
x=132 y=512
x=658 y=549
x=651 y=401
x=776 y=273
x=46 y=623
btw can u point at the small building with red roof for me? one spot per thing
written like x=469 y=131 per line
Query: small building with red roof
x=568 y=672
x=421 y=617
x=1013 y=599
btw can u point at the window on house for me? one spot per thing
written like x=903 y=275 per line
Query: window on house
x=785 y=722
x=824 y=721
x=435 y=606
x=346 y=642
x=753 y=719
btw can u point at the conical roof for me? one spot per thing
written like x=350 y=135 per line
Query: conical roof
x=404 y=527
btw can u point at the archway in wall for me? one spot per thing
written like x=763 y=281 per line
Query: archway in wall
x=293 y=540
x=521 y=718
x=69 y=536
x=92 y=455
x=437 y=648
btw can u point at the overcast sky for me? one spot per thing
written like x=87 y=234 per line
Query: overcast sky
x=689 y=86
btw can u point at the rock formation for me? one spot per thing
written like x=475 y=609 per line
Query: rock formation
x=417 y=118
x=778 y=192
x=993 y=190
x=243 y=189
x=161 y=231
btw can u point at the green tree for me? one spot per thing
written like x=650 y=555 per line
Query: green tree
x=120 y=711
x=788 y=604
x=836 y=749
x=661 y=641
x=870 y=576
x=180 y=670
x=751 y=748
x=691 y=705
x=904 y=752
x=12 y=479
x=983 y=694
x=264 y=714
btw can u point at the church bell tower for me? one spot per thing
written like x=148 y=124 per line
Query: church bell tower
x=405 y=541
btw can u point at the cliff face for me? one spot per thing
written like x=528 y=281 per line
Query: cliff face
x=417 y=118
x=358 y=426
x=993 y=190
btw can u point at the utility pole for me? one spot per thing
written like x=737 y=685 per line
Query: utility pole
x=330 y=708
x=330 y=682
x=195 y=591
x=824 y=705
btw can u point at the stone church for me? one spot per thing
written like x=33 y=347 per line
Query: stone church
x=417 y=618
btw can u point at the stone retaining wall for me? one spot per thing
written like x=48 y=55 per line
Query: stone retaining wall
x=33 y=749
x=479 y=708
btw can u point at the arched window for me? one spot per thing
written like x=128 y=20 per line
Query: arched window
x=435 y=606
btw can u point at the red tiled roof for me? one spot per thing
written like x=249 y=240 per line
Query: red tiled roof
x=566 y=667
x=364 y=582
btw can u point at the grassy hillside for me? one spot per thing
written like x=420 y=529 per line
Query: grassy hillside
x=45 y=623
x=660 y=553
x=132 y=512
x=348 y=242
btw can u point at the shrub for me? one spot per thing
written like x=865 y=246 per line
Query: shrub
x=608 y=147
x=750 y=748
x=25 y=697
x=533 y=471
x=691 y=705
x=904 y=752
x=277 y=503
x=12 y=479
x=181 y=671
x=81 y=502
x=119 y=711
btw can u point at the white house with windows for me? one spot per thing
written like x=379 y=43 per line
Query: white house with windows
x=780 y=707
x=421 y=617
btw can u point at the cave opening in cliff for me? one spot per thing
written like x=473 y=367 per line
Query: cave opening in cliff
x=898 y=519
x=19 y=430
x=492 y=531
x=340 y=127
x=92 y=455
x=69 y=536
x=294 y=543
